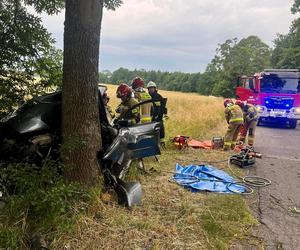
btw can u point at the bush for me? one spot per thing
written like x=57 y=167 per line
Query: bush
x=39 y=203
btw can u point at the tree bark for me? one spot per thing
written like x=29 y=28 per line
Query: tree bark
x=80 y=112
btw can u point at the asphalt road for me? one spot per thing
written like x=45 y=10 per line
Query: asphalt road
x=279 y=204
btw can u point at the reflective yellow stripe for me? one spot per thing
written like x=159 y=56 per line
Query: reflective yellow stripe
x=236 y=120
x=145 y=96
x=157 y=103
x=226 y=143
x=134 y=111
x=145 y=119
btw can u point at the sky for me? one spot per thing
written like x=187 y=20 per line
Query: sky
x=179 y=35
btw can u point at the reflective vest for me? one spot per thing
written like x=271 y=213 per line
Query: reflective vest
x=156 y=98
x=234 y=114
x=133 y=115
x=250 y=113
x=145 y=110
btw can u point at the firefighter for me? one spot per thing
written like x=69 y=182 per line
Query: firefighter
x=250 y=122
x=156 y=98
x=234 y=118
x=141 y=95
x=124 y=92
x=108 y=108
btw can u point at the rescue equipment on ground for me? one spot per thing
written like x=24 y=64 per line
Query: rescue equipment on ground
x=200 y=144
x=245 y=157
x=183 y=141
x=180 y=141
x=217 y=142
x=207 y=178
x=253 y=181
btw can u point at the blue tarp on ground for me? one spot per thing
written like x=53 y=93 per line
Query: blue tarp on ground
x=191 y=177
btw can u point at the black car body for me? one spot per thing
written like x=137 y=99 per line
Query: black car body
x=34 y=131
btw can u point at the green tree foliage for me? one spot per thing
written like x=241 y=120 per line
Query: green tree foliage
x=296 y=7
x=177 y=81
x=55 y=6
x=286 y=53
x=234 y=58
x=112 y=4
x=28 y=61
x=49 y=6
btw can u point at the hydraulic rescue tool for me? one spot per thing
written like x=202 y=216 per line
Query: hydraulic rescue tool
x=245 y=158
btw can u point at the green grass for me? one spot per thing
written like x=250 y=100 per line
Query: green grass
x=226 y=217
x=170 y=217
x=41 y=203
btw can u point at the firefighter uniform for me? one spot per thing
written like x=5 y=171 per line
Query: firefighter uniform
x=250 y=119
x=110 y=114
x=131 y=116
x=110 y=111
x=145 y=109
x=234 y=118
x=156 y=98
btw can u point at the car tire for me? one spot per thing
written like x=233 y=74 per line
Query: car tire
x=293 y=123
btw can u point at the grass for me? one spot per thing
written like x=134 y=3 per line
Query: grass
x=41 y=205
x=170 y=216
x=189 y=114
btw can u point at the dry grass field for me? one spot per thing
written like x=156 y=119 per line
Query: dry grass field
x=170 y=216
x=189 y=114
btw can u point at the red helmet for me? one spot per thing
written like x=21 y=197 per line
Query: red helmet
x=240 y=103
x=123 y=90
x=137 y=83
x=227 y=101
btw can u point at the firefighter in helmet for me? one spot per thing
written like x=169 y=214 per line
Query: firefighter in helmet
x=124 y=92
x=234 y=118
x=250 y=122
x=156 y=98
x=141 y=95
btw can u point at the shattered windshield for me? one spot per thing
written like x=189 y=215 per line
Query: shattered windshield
x=275 y=83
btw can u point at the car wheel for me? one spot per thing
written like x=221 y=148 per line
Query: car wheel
x=293 y=123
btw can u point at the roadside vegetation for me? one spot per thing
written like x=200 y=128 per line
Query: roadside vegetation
x=64 y=215
x=170 y=216
x=44 y=210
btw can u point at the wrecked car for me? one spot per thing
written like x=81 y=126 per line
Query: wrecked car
x=33 y=132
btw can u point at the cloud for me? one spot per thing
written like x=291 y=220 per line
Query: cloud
x=180 y=35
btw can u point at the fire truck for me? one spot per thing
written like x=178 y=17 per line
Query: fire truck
x=275 y=93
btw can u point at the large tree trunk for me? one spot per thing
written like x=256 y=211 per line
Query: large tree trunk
x=80 y=113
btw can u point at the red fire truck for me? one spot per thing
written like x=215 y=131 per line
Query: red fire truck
x=275 y=93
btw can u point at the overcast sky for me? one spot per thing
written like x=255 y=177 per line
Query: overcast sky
x=179 y=35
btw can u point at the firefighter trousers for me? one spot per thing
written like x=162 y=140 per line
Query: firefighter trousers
x=248 y=129
x=231 y=135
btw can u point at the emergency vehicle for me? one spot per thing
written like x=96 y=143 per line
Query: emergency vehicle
x=275 y=93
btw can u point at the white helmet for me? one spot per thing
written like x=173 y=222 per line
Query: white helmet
x=151 y=84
